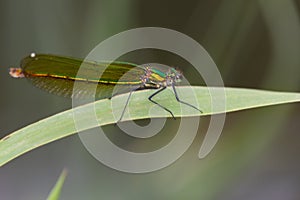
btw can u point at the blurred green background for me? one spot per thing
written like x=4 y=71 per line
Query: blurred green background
x=255 y=44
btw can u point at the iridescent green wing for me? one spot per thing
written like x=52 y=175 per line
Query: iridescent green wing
x=57 y=74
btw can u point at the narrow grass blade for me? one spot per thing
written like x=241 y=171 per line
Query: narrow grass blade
x=55 y=192
x=62 y=124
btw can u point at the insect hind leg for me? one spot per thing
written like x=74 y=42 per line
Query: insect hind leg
x=127 y=101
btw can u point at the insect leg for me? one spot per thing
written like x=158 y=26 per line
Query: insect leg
x=155 y=93
x=177 y=98
x=127 y=101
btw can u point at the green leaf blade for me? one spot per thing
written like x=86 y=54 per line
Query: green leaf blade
x=63 y=124
x=56 y=190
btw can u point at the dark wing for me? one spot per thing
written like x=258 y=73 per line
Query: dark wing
x=57 y=74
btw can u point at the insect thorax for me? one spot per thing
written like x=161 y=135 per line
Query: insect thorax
x=156 y=78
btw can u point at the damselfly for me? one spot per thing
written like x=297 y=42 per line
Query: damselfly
x=57 y=74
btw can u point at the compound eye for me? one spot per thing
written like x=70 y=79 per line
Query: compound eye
x=179 y=76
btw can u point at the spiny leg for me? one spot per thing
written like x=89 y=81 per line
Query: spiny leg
x=127 y=101
x=177 y=98
x=132 y=89
x=155 y=93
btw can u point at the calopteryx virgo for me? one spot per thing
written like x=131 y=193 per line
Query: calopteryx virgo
x=56 y=74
